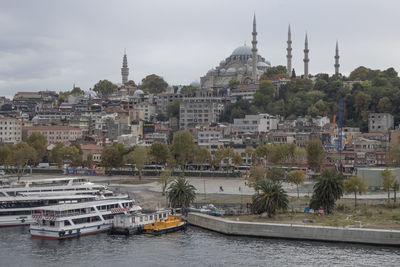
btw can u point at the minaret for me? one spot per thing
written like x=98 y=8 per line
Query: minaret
x=254 y=51
x=337 y=65
x=124 y=69
x=306 y=59
x=289 y=53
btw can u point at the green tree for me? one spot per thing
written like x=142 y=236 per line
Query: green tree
x=5 y=152
x=131 y=83
x=395 y=187
x=327 y=189
x=297 y=177
x=269 y=198
x=89 y=162
x=274 y=72
x=173 y=109
x=355 y=185
x=138 y=157
x=233 y=83
x=315 y=155
x=21 y=155
x=154 y=84
x=77 y=91
x=39 y=143
x=164 y=179
x=159 y=152
x=264 y=95
x=188 y=90
x=388 y=179
x=257 y=174
x=55 y=154
x=104 y=88
x=203 y=156
x=384 y=105
x=276 y=175
x=71 y=155
x=183 y=147
x=181 y=193
x=111 y=158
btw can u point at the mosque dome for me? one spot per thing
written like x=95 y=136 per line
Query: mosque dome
x=262 y=64
x=138 y=92
x=250 y=60
x=195 y=84
x=222 y=62
x=242 y=51
x=231 y=70
x=222 y=70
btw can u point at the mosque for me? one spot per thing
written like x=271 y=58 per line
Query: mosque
x=238 y=66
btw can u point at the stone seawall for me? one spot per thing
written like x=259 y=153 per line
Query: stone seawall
x=292 y=231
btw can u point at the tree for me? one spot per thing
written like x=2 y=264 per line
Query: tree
x=203 y=156
x=315 y=155
x=159 y=152
x=131 y=83
x=394 y=156
x=173 y=109
x=39 y=143
x=264 y=95
x=164 y=179
x=110 y=158
x=297 y=177
x=89 y=162
x=55 y=154
x=355 y=185
x=188 y=90
x=257 y=174
x=77 y=91
x=183 y=147
x=233 y=83
x=154 y=84
x=71 y=155
x=21 y=155
x=384 y=105
x=139 y=158
x=274 y=72
x=276 y=175
x=181 y=193
x=104 y=88
x=327 y=189
x=388 y=179
x=395 y=187
x=270 y=197
x=5 y=152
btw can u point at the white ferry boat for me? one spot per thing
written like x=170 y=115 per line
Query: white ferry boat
x=75 y=220
x=17 y=211
x=74 y=184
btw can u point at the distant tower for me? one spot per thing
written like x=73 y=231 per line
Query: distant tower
x=254 y=51
x=306 y=59
x=337 y=65
x=124 y=69
x=289 y=53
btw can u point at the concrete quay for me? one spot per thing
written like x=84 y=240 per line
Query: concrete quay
x=292 y=231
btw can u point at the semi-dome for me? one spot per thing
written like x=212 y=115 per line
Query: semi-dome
x=138 y=92
x=195 y=84
x=262 y=64
x=242 y=51
x=222 y=70
x=231 y=70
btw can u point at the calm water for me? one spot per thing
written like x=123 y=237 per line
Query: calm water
x=194 y=247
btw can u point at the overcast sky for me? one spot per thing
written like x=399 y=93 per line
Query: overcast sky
x=48 y=44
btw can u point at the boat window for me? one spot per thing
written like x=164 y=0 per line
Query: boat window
x=66 y=223
x=151 y=217
x=52 y=223
x=145 y=218
x=155 y=217
x=141 y=219
x=108 y=216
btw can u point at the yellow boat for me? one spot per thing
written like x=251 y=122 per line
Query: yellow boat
x=173 y=223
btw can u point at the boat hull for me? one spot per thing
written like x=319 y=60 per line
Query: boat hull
x=181 y=226
x=12 y=221
x=69 y=233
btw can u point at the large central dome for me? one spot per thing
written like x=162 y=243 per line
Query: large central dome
x=242 y=51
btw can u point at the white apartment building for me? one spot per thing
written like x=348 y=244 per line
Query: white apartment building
x=10 y=130
x=200 y=110
x=261 y=123
x=147 y=108
x=208 y=135
x=380 y=122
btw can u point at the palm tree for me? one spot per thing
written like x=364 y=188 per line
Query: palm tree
x=327 y=190
x=181 y=193
x=270 y=197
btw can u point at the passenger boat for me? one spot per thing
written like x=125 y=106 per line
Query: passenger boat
x=75 y=220
x=173 y=223
x=128 y=224
x=17 y=211
x=73 y=184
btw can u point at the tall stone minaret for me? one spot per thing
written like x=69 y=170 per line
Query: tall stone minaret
x=254 y=51
x=124 y=69
x=306 y=59
x=289 y=53
x=337 y=65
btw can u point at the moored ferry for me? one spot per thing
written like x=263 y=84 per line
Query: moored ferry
x=75 y=220
x=17 y=211
x=73 y=184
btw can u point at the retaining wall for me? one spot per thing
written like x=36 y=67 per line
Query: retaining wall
x=289 y=231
